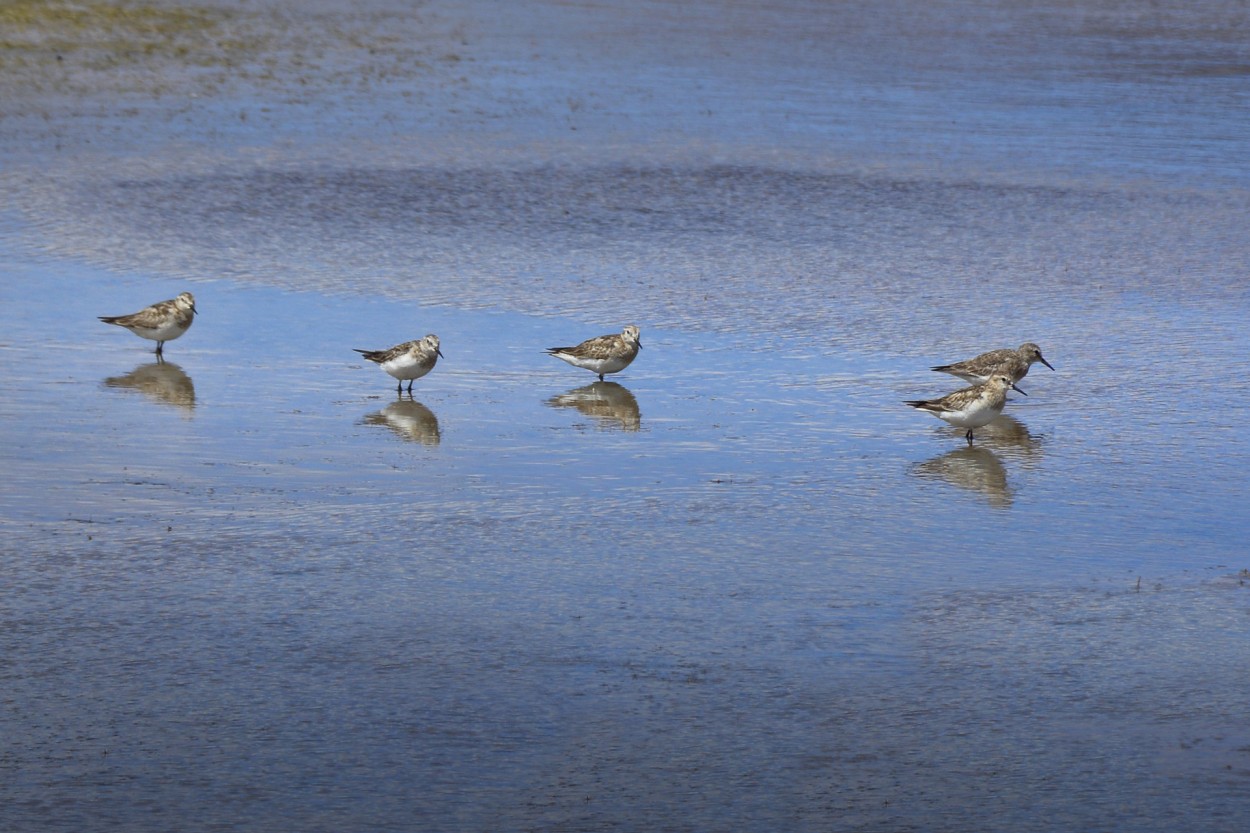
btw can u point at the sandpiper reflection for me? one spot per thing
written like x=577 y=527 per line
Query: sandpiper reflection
x=980 y=468
x=1011 y=438
x=972 y=467
x=609 y=403
x=409 y=419
x=160 y=381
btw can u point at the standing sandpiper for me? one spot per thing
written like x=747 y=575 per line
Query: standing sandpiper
x=969 y=407
x=163 y=321
x=603 y=354
x=1015 y=363
x=410 y=360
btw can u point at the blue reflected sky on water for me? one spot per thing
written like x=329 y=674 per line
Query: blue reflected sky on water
x=798 y=479
x=741 y=443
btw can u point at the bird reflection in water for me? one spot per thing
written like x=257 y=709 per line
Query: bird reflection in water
x=972 y=467
x=609 y=403
x=160 y=381
x=980 y=468
x=1009 y=436
x=409 y=419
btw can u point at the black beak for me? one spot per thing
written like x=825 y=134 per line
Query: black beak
x=1043 y=361
x=1017 y=390
x=440 y=353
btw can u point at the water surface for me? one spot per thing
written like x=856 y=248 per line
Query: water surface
x=740 y=586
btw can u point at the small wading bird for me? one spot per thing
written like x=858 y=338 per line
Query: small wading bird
x=163 y=321
x=970 y=407
x=410 y=360
x=1015 y=363
x=603 y=354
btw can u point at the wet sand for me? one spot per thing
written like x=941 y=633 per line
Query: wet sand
x=738 y=586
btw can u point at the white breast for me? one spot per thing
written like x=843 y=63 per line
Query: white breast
x=406 y=367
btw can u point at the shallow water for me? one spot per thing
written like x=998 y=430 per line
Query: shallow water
x=739 y=586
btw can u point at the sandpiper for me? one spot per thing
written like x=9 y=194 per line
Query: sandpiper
x=1015 y=363
x=969 y=407
x=410 y=360
x=603 y=354
x=163 y=321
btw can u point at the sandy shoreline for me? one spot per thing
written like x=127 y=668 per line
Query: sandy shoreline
x=100 y=75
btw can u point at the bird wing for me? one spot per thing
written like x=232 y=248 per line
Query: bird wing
x=386 y=355
x=148 y=317
x=950 y=402
x=599 y=347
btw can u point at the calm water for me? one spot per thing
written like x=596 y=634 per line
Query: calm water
x=738 y=587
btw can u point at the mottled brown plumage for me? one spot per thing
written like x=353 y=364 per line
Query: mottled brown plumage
x=1015 y=363
x=603 y=354
x=408 y=361
x=163 y=321
x=969 y=407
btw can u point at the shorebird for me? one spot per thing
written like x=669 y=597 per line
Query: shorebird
x=969 y=407
x=163 y=321
x=410 y=360
x=603 y=354
x=1015 y=363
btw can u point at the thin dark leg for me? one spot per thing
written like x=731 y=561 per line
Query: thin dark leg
x=600 y=377
x=399 y=387
x=969 y=436
x=160 y=348
x=410 y=381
